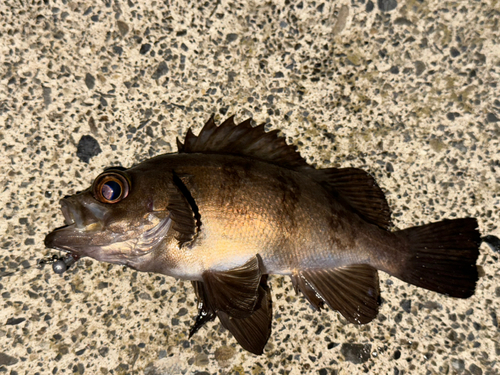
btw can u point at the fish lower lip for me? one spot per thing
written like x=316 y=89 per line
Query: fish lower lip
x=67 y=211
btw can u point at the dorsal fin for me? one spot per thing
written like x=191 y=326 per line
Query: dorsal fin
x=243 y=140
x=358 y=189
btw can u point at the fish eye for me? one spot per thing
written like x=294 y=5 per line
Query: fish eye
x=110 y=187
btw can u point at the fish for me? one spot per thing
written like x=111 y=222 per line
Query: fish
x=236 y=204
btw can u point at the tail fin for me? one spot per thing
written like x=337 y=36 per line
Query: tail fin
x=442 y=256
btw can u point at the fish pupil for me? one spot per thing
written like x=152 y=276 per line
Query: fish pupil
x=111 y=190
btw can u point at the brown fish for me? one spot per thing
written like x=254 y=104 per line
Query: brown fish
x=236 y=204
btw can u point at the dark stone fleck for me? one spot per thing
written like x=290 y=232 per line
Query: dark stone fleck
x=47 y=99
x=389 y=168
x=160 y=71
x=80 y=352
x=145 y=296
x=491 y=117
x=402 y=21
x=394 y=70
x=369 y=6
x=122 y=367
x=102 y=285
x=231 y=37
x=122 y=27
x=32 y=295
x=231 y=76
x=14 y=321
x=103 y=351
x=420 y=67
x=356 y=353
x=58 y=34
x=332 y=345
x=454 y=52
x=279 y=75
x=145 y=48
x=87 y=148
x=94 y=18
x=320 y=329
x=29 y=241
x=452 y=335
x=450 y=116
x=89 y=81
x=88 y=11
x=458 y=365
x=103 y=101
x=118 y=50
x=397 y=354
x=475 y=370
x=181 y=33
x=183 y=311
x=7 y=360
x=387 y=5
x=406 y=305
x=398 y=318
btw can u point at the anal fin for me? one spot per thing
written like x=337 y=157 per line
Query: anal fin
x=351 y=290
x=300 y=284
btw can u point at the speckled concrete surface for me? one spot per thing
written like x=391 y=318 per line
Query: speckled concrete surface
x=410 y=94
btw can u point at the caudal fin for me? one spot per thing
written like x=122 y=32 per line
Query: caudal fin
x=442 y=256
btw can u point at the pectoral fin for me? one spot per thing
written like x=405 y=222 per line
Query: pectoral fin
x=236 y=291
x=252 y=332
x=241 y=299
x=351 y=290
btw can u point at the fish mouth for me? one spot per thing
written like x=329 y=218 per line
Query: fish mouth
x=80 y=219
x=71 y=215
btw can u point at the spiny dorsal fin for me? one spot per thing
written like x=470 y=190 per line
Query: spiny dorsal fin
x=242 y=140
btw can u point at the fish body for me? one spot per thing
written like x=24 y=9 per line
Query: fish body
x=237 y=204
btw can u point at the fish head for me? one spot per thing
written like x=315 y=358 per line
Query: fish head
x=116 y=220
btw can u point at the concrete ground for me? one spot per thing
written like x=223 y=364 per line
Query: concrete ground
x=409 y=94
